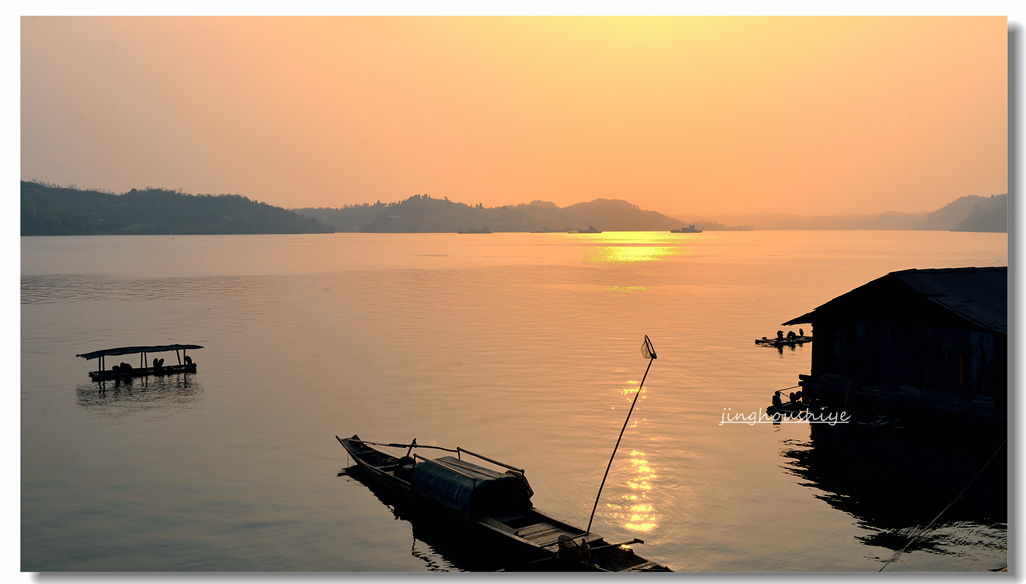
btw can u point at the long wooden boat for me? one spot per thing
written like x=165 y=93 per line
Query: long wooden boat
x=156 y=367
x=493 y=504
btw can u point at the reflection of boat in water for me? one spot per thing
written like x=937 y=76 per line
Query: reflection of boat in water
x=127 y=371
x=493 y=505
x=145 y=393
x=688 y=229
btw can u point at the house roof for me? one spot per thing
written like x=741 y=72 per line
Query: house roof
x=978 y=295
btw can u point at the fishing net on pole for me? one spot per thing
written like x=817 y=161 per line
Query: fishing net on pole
x=647 y=349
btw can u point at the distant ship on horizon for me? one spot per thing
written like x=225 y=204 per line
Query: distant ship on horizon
x=688 y=229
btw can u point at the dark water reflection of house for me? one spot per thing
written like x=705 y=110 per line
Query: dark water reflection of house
x=894 y=482
x=125 y=395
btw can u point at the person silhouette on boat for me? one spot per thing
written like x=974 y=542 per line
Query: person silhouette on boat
x=776 y=400
x=790 y=336
x=780 y=335
x=801 y=333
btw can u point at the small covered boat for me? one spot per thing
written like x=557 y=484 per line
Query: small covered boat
x=793 y=409
x=688 y=229
x=791 y=339
x=126 y=370
x=492 y=504
x=783 y=342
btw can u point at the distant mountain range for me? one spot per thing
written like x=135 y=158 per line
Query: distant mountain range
x=53 y=210
x=423 y=214
x=969 y=213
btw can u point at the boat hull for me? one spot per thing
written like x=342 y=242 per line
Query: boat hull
x=108 y=374
x=526 y=538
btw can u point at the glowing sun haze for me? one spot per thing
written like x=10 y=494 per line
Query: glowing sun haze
x=682 y=115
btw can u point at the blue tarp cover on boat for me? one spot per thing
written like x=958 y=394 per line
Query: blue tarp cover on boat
x=470 y=488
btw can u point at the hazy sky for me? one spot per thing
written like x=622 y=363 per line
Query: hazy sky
x=683 y=115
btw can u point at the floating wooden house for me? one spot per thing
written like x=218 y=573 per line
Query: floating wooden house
x=914 y=340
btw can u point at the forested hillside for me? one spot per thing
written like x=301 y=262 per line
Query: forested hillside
x=52 y=210
x=423 y=214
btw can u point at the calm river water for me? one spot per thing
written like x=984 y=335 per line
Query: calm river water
x=523 y=347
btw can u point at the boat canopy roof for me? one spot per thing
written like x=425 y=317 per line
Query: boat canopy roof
x=469 y=487
x=136 y=350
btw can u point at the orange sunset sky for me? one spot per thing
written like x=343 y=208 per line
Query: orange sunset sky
x=682 y=115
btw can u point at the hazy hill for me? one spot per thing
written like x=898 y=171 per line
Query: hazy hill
x=418 y=214
x=423 y=214
x=52 y=210
x=987 y=216
x=987 y=213
x=549 y=217
x=950 y=216
x=617 y=215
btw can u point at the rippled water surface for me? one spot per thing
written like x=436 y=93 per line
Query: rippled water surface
x=523 y=347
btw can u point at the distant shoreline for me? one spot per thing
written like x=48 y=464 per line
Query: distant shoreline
x=500 y=232
x=49 y=210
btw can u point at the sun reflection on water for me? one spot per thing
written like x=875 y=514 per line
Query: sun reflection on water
x=623 y=255
x=632 y=389
x=634 y=510
x=642 y=515
x=630 y=247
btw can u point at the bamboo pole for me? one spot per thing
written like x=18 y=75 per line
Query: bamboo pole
x=646 y=349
